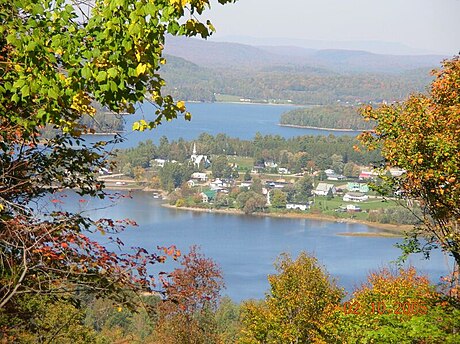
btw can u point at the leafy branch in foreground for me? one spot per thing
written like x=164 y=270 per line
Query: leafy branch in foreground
x=56 y=60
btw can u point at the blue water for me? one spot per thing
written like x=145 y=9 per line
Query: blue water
x=236 y=120
x=245 y=247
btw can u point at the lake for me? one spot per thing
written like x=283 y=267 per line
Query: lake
x=236 y=120
x=245 y=247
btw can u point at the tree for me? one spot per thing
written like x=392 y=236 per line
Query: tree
x=192 y=296
x=221 y=168
x=304 y=187
x=250 y=201
x=279 y=199
x=397 y=306
x=301 y=298
x=421 y=136
x=337 y=163
x=350 y=169
x=57 y=59
x=172 y=175
x=247 y=176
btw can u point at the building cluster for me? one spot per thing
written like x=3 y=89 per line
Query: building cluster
x=351 y=192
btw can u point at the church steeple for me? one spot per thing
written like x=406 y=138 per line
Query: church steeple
x=194 y=149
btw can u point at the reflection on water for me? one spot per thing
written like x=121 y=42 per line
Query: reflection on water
x=246 y=246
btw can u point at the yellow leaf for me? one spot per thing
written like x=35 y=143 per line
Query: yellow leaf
x=140 y=69
x=181 y=106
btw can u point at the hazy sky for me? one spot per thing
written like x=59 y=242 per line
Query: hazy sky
x=432 y=25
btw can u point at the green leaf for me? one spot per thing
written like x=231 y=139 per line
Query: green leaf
x=19 y=83
x=113 y=72
x=113 y=86
x=25 y=90
x=101 y=76
x=86 y=72
x=52 y=93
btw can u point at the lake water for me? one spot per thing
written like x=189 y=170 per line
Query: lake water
x=236 y=120
x=245 y=247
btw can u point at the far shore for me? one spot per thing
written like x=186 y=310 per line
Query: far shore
x=387 y=229
x=319 y=128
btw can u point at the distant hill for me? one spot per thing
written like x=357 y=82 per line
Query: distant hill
x=198 y=70
x=376 y=47
x=363 y=61
x=236 y=55
x=217 y=54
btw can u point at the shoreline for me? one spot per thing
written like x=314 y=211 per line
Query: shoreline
x=247 y=103
x=386 y=229
x=319 y=128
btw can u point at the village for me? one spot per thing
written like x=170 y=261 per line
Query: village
x=216 y=182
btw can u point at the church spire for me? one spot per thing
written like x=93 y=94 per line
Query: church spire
x=194 y=148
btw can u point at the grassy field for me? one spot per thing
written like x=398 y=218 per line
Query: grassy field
x=227 y=98
x=243 y=163
x=328 y=207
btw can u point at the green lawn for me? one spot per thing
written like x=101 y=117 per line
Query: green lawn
x=227 y=98
x=321 y=202
x=244 y=163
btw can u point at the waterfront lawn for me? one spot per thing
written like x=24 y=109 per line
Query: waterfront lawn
x=328 y=207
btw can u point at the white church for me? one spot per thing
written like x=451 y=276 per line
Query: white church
x=199 y=160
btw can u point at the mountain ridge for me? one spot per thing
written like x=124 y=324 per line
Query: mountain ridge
x=224 y=54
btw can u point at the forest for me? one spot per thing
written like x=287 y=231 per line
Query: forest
x=299 y=85
x=334 y=117
x=318 y=151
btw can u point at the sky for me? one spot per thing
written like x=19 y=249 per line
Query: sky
x=425 y=25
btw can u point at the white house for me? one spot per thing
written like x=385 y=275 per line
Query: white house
x=329 y=172
x=323 y=189
x=297 y=206
x=160 y=162
x=270 y=164
x=355 y=197
x=202 y=177
x=283 y=170
x=335 y=177
x=217 y=185
x=246 y=184
x=353 y=208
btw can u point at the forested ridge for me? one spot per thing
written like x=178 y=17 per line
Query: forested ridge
x=299 y=84
x=335 y=117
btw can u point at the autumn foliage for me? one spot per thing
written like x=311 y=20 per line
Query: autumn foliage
x=397 y=306
x=421 y=136
x=192 y=292
x=297 y=309
x=57 y=59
